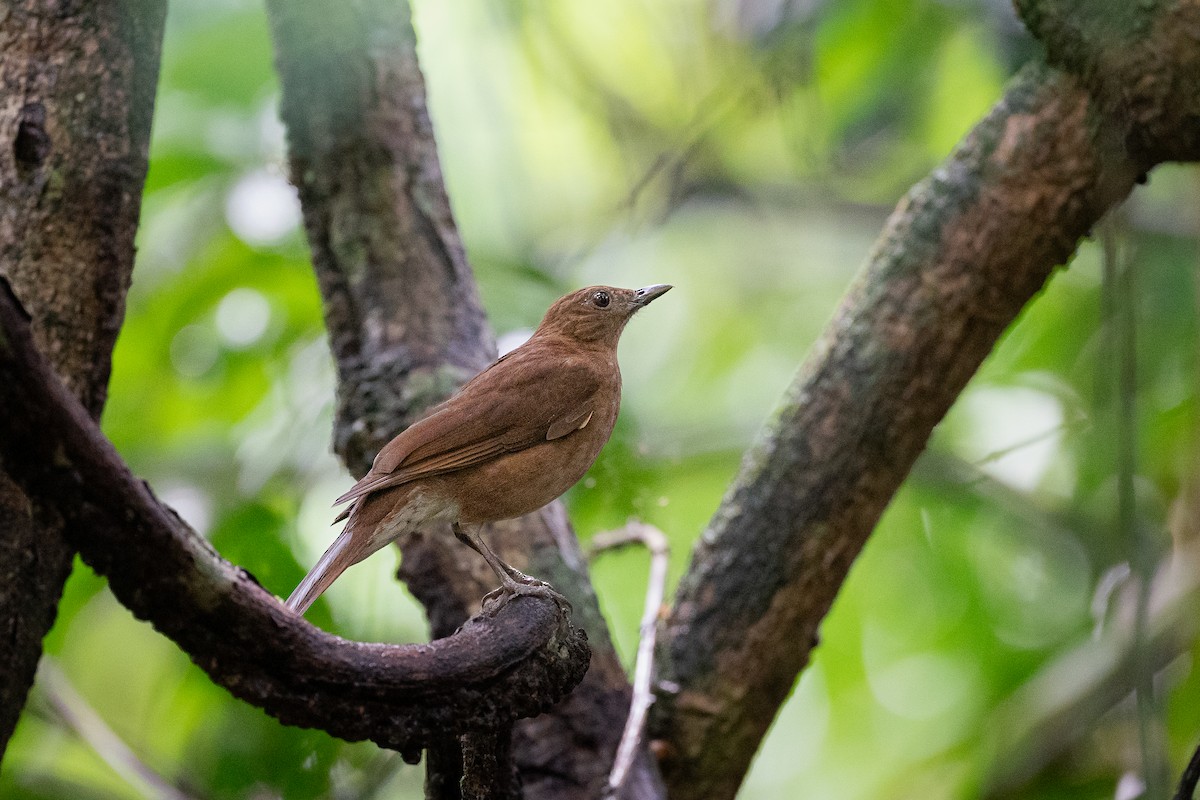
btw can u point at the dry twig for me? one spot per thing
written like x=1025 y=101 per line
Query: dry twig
x=656 y=542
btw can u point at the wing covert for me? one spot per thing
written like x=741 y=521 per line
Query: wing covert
x=524 y=399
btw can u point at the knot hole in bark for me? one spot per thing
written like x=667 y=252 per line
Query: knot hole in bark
x=32 y=143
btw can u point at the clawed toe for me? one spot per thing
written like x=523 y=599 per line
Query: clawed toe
x=545 y=590
x=494 y=596
x=529 y=587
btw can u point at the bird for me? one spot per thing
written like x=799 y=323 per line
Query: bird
x=511 y=440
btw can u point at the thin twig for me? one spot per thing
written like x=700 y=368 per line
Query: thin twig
x=1119 y=278
x=656 y=542
x=80 y=717
x=1064 y=427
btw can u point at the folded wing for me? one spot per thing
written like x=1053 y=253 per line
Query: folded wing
x=527 y=398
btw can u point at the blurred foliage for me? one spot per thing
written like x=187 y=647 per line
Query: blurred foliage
x=747 y=151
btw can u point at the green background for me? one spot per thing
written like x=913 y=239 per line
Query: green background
x=747 y=152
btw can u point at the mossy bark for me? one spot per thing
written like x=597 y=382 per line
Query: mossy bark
x=77 y=84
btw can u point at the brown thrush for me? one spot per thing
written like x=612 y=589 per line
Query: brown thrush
x=514 y=438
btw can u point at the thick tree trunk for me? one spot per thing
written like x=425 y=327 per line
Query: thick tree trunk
x=406 y=328
x=77 y=88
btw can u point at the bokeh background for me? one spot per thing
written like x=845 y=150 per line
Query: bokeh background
x=747 y=151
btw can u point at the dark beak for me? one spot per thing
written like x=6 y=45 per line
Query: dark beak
x=646 y=295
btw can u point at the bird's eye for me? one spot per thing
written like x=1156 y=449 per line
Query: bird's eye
x=600 y=299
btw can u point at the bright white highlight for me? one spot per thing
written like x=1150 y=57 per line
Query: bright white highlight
x=262 y=208
x=242 y=317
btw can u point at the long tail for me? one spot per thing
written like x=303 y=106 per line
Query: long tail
x=341 y=554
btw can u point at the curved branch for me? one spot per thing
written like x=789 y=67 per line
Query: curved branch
x=960 y=257
x=497 y=668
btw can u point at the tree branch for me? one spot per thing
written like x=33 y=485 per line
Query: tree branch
x=78 y=83
x=1137 y=61
x=494 y=670
x=406 y=328
x=404 y=319
x=962 y=254
x=1187 y=781
x=488 y=771
x=960 y=257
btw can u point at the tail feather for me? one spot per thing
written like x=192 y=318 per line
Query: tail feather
x=341 y=554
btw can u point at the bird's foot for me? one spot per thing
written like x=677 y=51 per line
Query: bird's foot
x=525 y=586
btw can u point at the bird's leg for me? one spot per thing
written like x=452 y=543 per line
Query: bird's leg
x=512 y=581
x=498 y=565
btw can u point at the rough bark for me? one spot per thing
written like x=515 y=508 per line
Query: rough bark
x=487 y=767
x=406 y=328
x=1138 y=62
x=404 y=319
x=76 y=97
x=960 y=257
x=516 y=660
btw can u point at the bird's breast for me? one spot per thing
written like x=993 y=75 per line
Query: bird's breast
x=524 y=481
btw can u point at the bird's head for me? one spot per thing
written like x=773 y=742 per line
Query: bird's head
x=598 y=313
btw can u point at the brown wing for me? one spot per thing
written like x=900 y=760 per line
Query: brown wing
x=528 y=397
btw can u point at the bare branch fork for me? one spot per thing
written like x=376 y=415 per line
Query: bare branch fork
x=494 y=670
